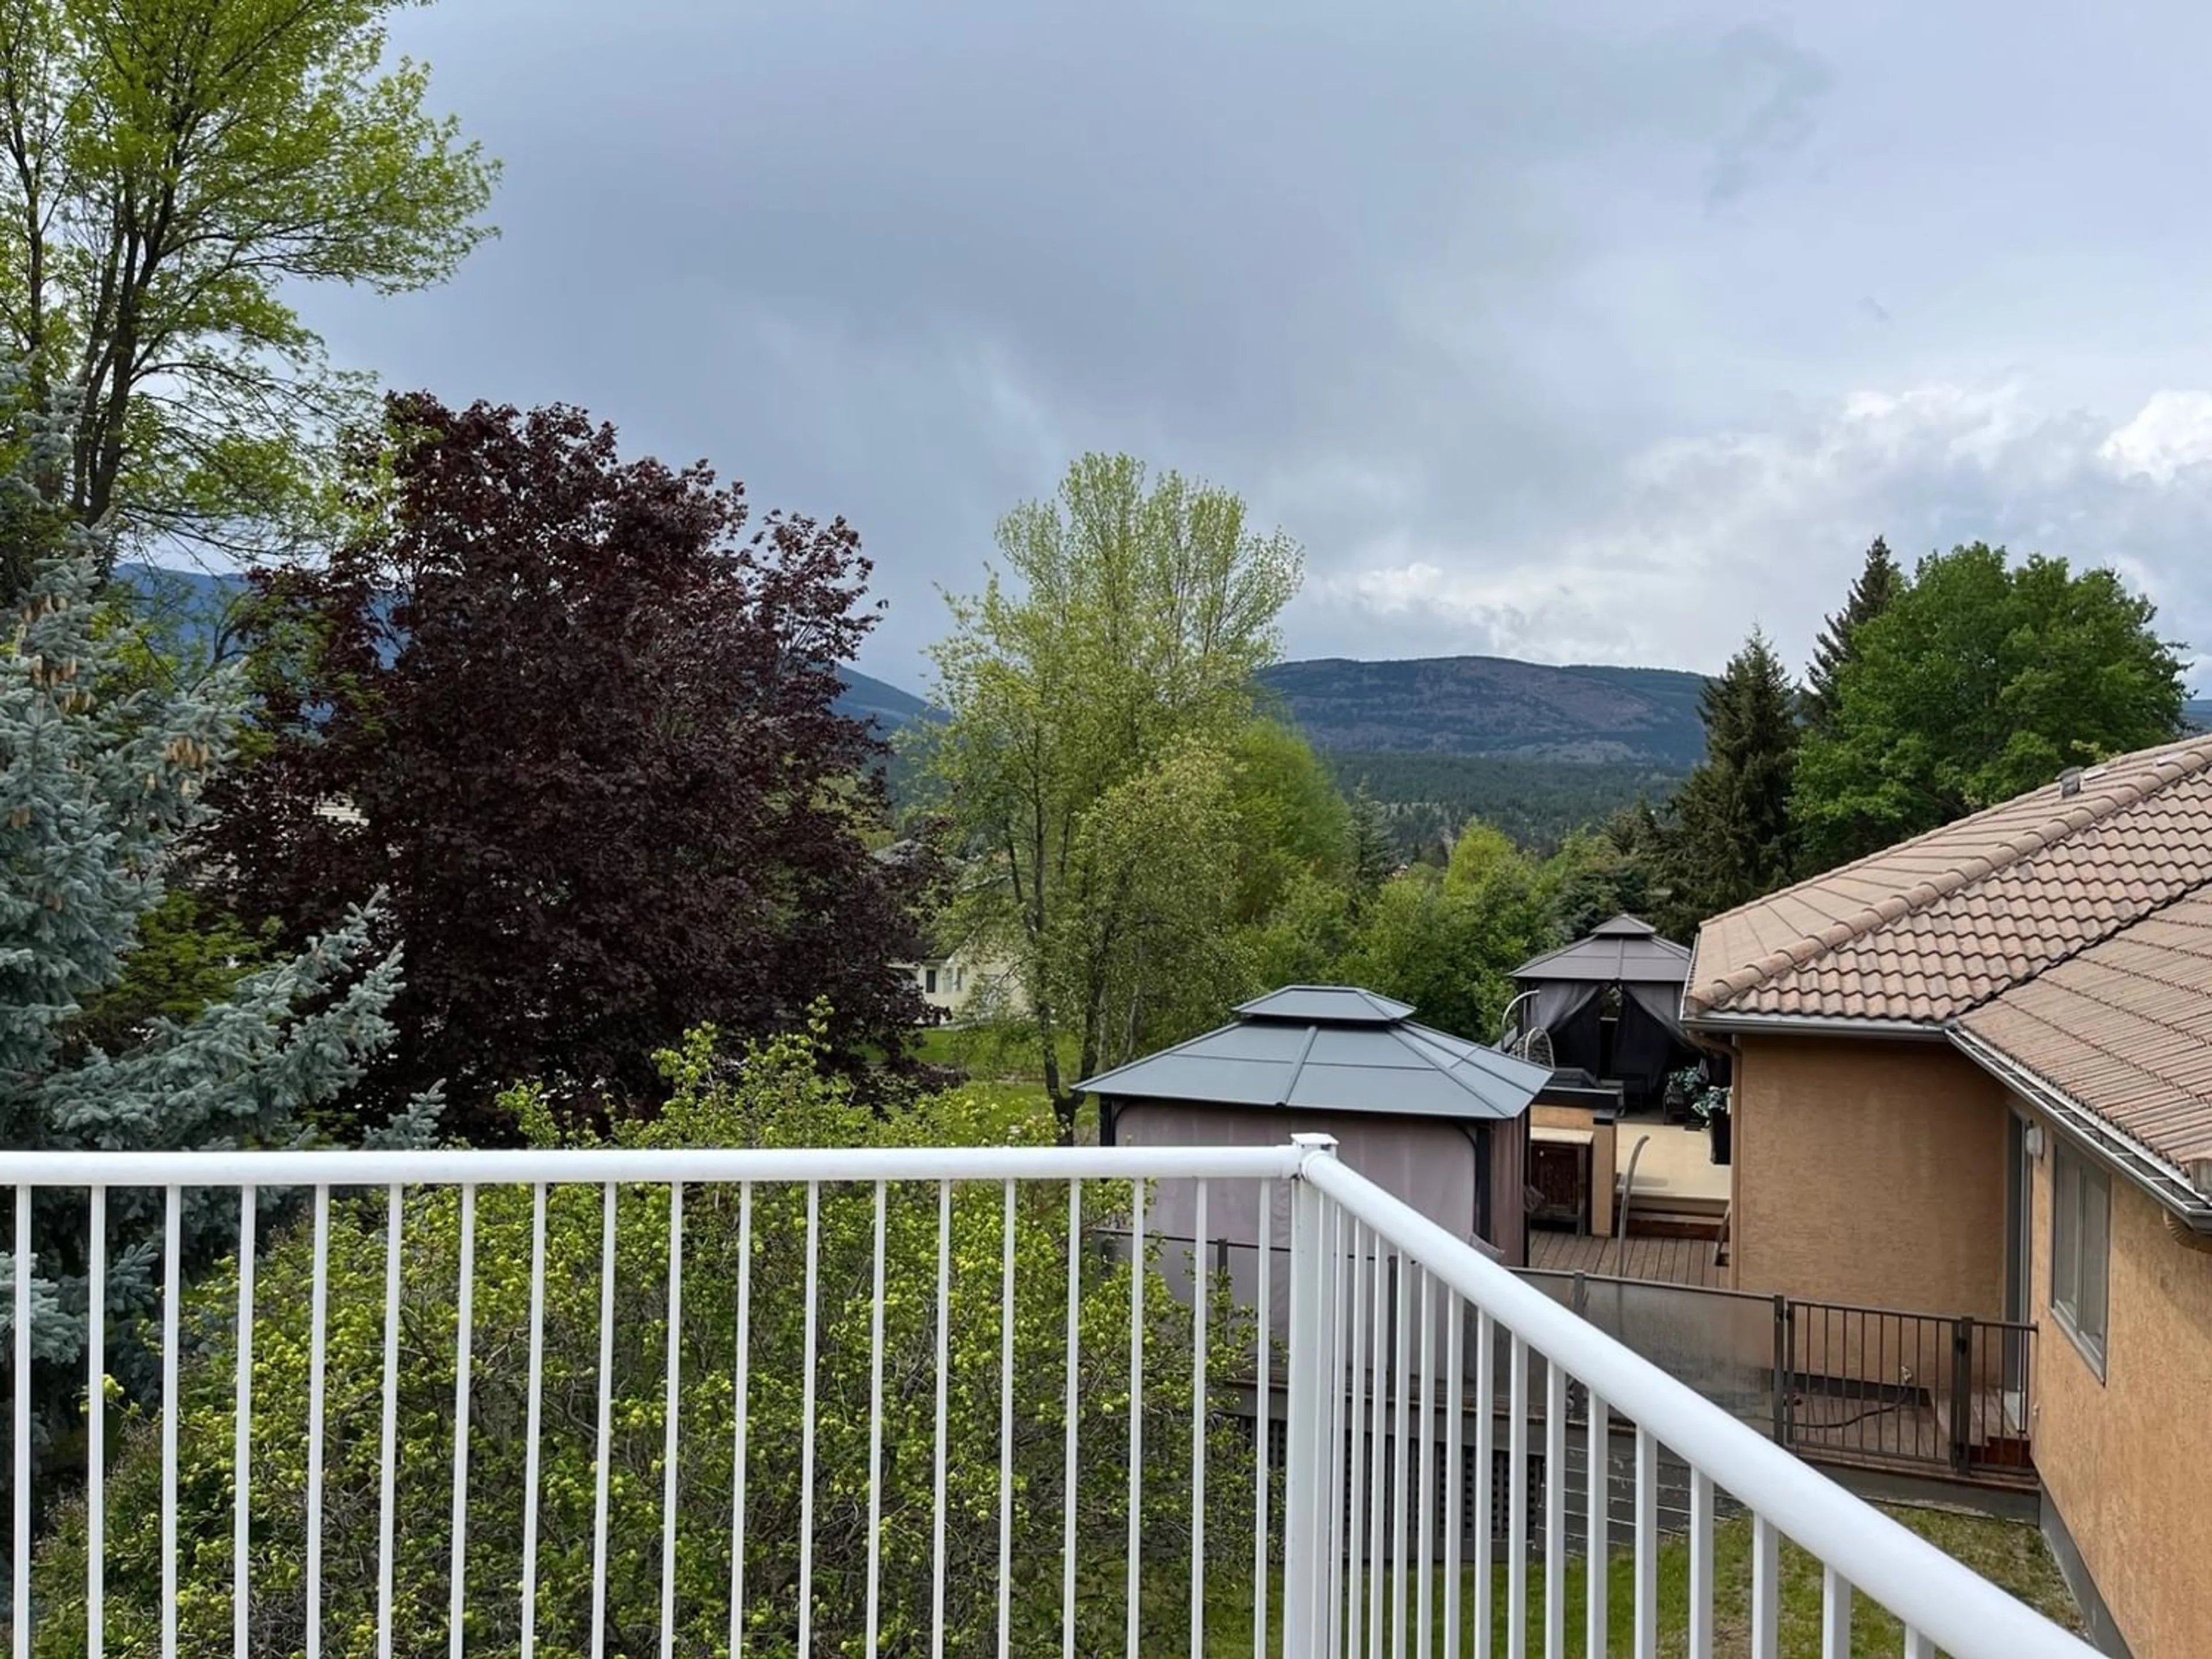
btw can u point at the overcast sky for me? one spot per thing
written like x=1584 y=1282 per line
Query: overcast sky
x=1587 y=332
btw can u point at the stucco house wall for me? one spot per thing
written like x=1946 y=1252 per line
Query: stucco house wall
x=1868 y=1172
x=2127 y=1459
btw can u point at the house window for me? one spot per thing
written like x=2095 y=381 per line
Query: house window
x=2081 y=1239
x=929 y=981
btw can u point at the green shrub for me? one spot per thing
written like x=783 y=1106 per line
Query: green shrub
x=776 y=1096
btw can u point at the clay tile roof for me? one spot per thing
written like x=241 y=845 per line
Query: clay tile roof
x=2125 y=1027
x=1933 y=927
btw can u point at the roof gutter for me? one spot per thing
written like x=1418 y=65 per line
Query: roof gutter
x=2122 y=1153
x=1895 y=1030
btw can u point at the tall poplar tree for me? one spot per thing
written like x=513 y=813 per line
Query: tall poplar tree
x=1095 y=690
x=172 y=174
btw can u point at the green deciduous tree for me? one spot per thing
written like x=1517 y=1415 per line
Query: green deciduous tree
x=1448 y=944
x=1984 y=679
x=1878 y=582
x=1732 y=838
x=101 y=1046
x=1289 y=821
x=781 y=1096
x=1092 y=688
x=171 y=173
x=1598 y=874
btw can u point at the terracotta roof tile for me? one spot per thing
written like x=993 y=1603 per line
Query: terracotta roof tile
x=2125 y=1027
x=1929 y=928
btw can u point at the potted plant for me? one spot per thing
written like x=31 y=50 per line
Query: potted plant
x=1711 y=1106
x=1682 y=1086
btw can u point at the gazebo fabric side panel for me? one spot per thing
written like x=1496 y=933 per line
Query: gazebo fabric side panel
x=1570 y=1012
x=1650 y=1036
x=1430 y=1163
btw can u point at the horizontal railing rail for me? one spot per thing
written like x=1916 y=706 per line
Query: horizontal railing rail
x=1939 y=1600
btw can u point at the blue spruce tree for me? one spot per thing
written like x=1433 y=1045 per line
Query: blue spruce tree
x=100 y=776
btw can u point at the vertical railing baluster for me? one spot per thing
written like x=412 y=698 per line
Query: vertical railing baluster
x=1765 y=1590
x=1517 y=1501
x=1647 y=1545
x=1701 y=1561
x=1358 y=1544
x=1263 y=1416
x=1335 y=1432
x=807 y=1433
x=464 y=1317
x=1835 y=1615
x=1917 y=1646
x=1202 y=1295
x=535 y=1420
x=1599 y=1552
x=1455 y=1397
x=742 y=1395
x=22 y=1426
x=95 y=1486
x=608 y=1201
x=1555 y=1509
x=1007 y=1430
x=1134 y=1610
x=1424 y=1626
x=172 y=1409
x=1486 y=1459
x=876 y=1427
x=394 y=1224
x=669 y=1431
x=1400 y=1452
x=1302 y=1517
x=1067 y=1485
x=1378 y=1448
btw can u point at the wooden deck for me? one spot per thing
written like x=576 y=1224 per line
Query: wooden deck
x=1654 y=1260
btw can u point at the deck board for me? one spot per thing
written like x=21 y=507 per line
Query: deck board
x=1653 y=1260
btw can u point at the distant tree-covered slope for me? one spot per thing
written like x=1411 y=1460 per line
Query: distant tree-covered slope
x=1494 y=706
x=194 y=603
x=1427 y=799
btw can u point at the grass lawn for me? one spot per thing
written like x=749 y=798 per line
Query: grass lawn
x=2008 y=1554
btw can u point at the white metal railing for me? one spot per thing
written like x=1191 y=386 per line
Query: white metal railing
x=940 y=1419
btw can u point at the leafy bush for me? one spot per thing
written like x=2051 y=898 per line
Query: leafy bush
x=776 y=1096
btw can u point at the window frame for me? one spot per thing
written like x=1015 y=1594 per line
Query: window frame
x=2081 y=1251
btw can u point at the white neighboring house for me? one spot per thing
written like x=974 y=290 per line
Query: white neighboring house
x=965 y=982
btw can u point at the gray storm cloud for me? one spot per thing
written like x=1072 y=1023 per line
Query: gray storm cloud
x=1591 y=339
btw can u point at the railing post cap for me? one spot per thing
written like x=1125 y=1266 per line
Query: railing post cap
x=1315 y=1143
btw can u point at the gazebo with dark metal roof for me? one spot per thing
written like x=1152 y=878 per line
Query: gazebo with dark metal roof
x=1439 y=1120
x=1564 y=995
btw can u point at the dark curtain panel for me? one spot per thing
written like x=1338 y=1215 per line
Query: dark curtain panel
x=1645 y=1049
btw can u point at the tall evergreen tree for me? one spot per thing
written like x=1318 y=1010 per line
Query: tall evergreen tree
x=1374 y=850
x=101 y=774
x=1732 y=838
x=1878 y=583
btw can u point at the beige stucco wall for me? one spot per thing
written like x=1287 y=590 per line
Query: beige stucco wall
x=2127 y=1460
x=1603 y=1176
x=1868 y=1172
